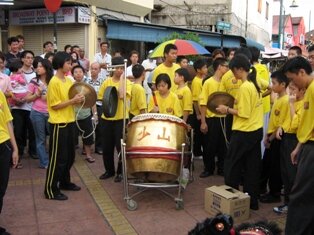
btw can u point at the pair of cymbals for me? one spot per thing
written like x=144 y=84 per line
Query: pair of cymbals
x=219 y=98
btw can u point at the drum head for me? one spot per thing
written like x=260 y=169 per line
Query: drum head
x=218 y=98
x=85 y=89
x=110 y=101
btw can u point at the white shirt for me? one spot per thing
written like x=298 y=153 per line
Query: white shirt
x=103 y=59
x=148 y=64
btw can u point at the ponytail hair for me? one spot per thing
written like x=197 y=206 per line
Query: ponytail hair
x=252 y=77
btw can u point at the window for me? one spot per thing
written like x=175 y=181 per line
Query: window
x=259 y=7
x=267 y=9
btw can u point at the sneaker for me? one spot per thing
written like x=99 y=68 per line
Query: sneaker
x=283 y=209
x=269 y=198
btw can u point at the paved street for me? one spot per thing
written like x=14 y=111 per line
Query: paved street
x=99 y=207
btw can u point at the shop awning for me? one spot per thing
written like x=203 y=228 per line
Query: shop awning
x=253 y=43
x=138 y=31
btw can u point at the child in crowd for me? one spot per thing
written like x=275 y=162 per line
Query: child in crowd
x=164 y=101
x=279 y=112
x=84 y=118
x=138 y=95
x=287 y=134
x=18 y=83
x=184 y=93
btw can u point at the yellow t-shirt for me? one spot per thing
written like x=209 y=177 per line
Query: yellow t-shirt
x=185 y=97
x=210 y=86
x=138 y=99
x=306 y=129
x=168 y=70
x=57 y=93
x=279 y=112
x=249 y=104
x=168 y=105
x=196 y=88
x=291 y=125
x=5 y=117
x=119 y=114
x=230 y=84
x=263 y=74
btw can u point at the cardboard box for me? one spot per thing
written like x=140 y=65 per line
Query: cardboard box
x=229 y=201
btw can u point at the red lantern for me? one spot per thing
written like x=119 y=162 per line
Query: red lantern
x=53 y=5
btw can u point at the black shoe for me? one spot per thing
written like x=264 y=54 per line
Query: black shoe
x=33 y=156
x=118 y=178
x=220 y=172
x=205 y=174
x=70 y=187
x=254 y=207
x=98 y=151
x=269 y=198
x=106 y=175
x=59 y=197
x=3 y=231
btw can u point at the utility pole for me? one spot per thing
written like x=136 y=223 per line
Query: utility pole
x=280 y=28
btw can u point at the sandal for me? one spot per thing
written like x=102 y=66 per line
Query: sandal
x=90 y=159
x=19 y=166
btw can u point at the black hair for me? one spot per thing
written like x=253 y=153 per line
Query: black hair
x=183 y=72
x=255 y=53
x=217 y=52
x=2 y=57
x=180 y=58
x=231 y=50
x=24 y=53
x=310 y=49
x=48 y=67
x=77 y=67
x=169 y=47
x=219 y=61
x=297 y=49
x=137 y=70
x=295 y=64
x=59 y=59
x=117 y=60
x=36 y=60
x=74 y=46
x=15 y=65
x=163 y=77
x=280 y=77
x=12 y=39
x=245 y=51
x=20 y=36
x=241 y=61
x=198 y=64
x=47 y=43
x=48 y=54
x=105 y=42
x=67 y=46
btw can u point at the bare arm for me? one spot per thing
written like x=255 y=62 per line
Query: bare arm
x=15 y=153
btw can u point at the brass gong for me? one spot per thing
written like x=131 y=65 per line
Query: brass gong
x=85 y=89
x=218 y=98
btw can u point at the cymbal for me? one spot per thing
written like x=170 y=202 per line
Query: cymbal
x=110 y=102
x=218 y=98
x=85 y=89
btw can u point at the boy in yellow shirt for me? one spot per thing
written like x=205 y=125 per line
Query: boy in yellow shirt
x=212 y=125
x=184 y=93
x=287 y=134
x=279 y=113
x=112 y=127
x=164 y=101
x=201 y=70
x=8 y=149
x=301 y=211
x=138 y=94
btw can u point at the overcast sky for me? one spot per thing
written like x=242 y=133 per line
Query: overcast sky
x=305 y=8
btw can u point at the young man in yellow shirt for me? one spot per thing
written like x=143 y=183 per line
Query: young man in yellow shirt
x=169 y=66
x=301 y=210
x=112 y=127
x=212 y=125
x=201 y=70
x=8 y=149
x=138 y=95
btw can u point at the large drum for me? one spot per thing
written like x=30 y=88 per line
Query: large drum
x=154 y=144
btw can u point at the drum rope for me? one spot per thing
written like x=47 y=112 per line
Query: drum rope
x=78 y=126
x=224 y=131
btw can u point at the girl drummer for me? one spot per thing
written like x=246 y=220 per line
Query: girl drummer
x=164 y=100
x=244 y=153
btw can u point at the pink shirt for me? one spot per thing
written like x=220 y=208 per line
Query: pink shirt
x=39 y=104
x=5 y=83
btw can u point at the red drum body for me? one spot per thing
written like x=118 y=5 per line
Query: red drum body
x=154 y=144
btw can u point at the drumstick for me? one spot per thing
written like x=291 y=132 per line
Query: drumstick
x=155 y=99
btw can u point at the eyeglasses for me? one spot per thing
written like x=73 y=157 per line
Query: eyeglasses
x=225 y=65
